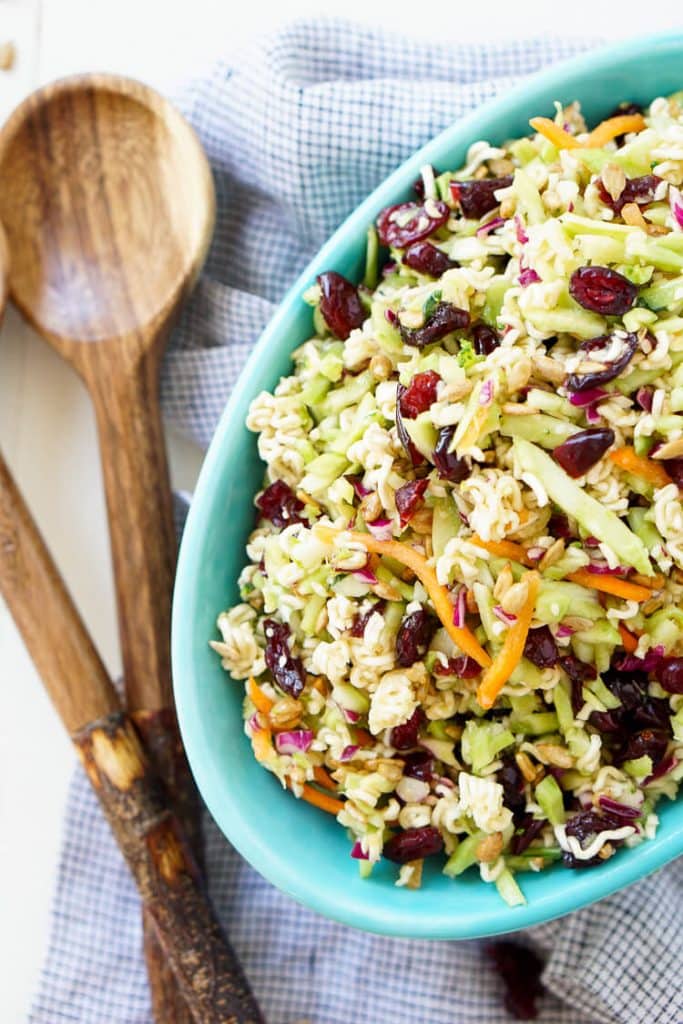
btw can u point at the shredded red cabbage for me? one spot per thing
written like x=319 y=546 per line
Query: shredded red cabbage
x=294 y=742
x=590 y=397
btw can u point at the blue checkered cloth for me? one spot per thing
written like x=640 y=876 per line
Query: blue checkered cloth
x=298 y=131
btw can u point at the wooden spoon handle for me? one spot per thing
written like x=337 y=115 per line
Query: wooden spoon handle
x=137 y=806
x=163 y=745
x=139 y=506
x=47 y=618
x=151 y=839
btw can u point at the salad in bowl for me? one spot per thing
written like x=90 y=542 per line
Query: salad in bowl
x=460 y=629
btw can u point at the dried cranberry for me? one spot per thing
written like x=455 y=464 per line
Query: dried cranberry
x=340 y=304
x=484 y=339
x=629 y=687
x=589 y=823
x=629 y=662
x=674 y=468
x=476 y=197
x=419 y=765
x=650 y=743
x=613 y=721
x=286 y=670
x=414 y=455
x=576 y=863
x=602 y=290
x=409 y=497
x=637 y=190
x=654 y=713
x=404 y=737
x=669 y=674
x=520 y=969
x=529 y=829
x=402 y=225
x=413 y=844
x=626 y=347
x=419 y=395
x=582 y=450
x=540 y=647
x=360 y=621
x=450 y=466
x=427 y=259
x=579 y=672
x=512 y=781
x=558 y=527
x=280 y=504
x=445 y=319
x=462 y=666
x=414 y=636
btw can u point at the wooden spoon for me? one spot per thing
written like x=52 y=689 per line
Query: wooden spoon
x=108 y=204
x=145 y=826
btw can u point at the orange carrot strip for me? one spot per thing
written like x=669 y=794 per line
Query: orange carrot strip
x=323 y=779
x=640 y=465
x=497 y=675
x=553 y=133
x=258 y=698
x=362 y=737
x=610 y=585
x=628 y=640
x=502 y=548
x=262 y=745
x=322 y=800
x=463 y=637
x=613 y=126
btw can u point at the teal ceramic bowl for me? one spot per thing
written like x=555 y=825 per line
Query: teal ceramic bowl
x=296 y=847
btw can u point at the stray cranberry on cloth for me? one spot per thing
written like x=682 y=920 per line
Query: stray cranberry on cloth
x=298 y=131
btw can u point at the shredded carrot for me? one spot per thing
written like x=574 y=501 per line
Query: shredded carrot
x=258 y=698
x=362 y=737
x=610 y=585
x=628 y=640
x=463 y=637
x=323 y=779
x=322 y=800
x=553 y=133
x=497 y=675
x=502 y=548
x=640 y=465
x=262 y=745
x=605 y=132
x=613 y=126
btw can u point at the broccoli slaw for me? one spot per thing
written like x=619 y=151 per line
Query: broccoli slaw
x=459 y=629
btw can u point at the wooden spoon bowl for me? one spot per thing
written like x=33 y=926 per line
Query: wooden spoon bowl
x=107 y=203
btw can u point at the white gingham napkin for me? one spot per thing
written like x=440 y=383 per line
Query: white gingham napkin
x=299 y=131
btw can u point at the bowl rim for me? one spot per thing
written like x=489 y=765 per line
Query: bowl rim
x=248 y=839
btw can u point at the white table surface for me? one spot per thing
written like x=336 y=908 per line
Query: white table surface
x=46 y=426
